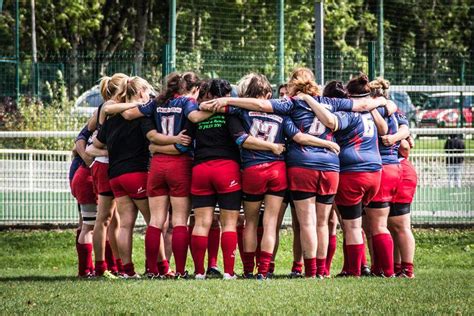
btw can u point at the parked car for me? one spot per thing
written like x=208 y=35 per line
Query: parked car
x=442 y=110
x=405 y=106
x=88 y=102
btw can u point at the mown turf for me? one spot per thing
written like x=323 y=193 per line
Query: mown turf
x=38 y=268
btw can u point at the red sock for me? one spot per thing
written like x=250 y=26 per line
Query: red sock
x=199 y=247
x=321 y=266
x=109 y=258
x=383 y=252
x=408 y=268
x=119 y=264
x=331 y=251
x=100 y=267
x=228 y=244
x=180 y=243
x=397 y=267
x=213 y=246
x=163 y=267
x=190 y=234
x=248 y=261
x=354 y=255
x=271 y=268
x=344 y=251
x=152 y=248
x=84 y=253
x=265 y=258
x=240 y=238
x=297 y=267
x=129 y=269
x=364 y=258
x=310 y=267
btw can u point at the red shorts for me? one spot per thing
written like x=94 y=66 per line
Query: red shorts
x=265 y=177
x=216 y=176
x=356 y=187
x=169 y=175
x=309 y=180
x=100 y=177
x=391 y=177
x=407 y=188
x=131 y=184
x=82 y=187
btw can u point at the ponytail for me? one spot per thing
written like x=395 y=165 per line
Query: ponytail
x=109 y=86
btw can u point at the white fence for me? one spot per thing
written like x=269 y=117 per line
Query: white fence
x=34 y=186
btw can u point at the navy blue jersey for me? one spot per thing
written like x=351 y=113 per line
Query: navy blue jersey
x=171 y=116
x=311 y=157
x=266 y=126
x=357 y=137
x=389 y=154
x=75 y=163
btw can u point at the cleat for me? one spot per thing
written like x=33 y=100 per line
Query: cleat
x=228 y=276
x=185 y=276
x=261 y=277
x=200 y=276
x=343 y=274
x=152 y=276
x=135 y=276
x=86 y=276
x=213 y=272
x=365 y=271
x=168 y=275
x=403 y=274
x=269 y=275
x=320 y=276
x=248 y=276
x=295 y=275
x=109 y=275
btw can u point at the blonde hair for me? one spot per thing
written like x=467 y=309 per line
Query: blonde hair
x=254 y=86
x=379 y=87
x=110 y=85
x=303 y=80
x=131 y=87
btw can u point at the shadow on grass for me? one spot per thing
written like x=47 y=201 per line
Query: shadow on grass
x=45 y=278
x=39 y=278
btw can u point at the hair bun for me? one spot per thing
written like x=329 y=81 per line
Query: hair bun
x=363 y=79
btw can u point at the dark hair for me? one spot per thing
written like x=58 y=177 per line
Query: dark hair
x=283 y=85
x=177 y=83
x=204 y=88
x=219 y=88
x=358 y=86
x=335 y=89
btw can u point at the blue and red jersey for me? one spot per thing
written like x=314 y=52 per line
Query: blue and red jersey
x=310 y=157
x=266 y=126
x=171 y=116
x=357 y=137
x=389 y=154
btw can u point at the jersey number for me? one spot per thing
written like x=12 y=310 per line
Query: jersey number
x=264 y=130
x=317 y=128
x=167 y=125
x=369 y=126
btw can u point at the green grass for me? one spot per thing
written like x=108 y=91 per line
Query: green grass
x=38 y=268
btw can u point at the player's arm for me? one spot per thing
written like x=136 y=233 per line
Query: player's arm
x=116 y=108
x=404 y=149
x=80 y=147
x=402 y=133
x=167 y=149
x=310 y=140
x=199 y=116
x=380 y=123
x=368 y=104
x=161 y=139
x=92 y=122
x=252 y=104
x=93 y=151
x=327 y=118
x=243 y=139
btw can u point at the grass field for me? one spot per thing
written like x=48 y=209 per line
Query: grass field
x=38 y=268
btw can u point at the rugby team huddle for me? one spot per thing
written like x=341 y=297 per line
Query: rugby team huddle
x=205 y=168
